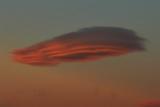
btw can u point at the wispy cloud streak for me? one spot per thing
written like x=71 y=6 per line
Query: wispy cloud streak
x=150 y=103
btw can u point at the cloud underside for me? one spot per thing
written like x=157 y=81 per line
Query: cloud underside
x=87 y=44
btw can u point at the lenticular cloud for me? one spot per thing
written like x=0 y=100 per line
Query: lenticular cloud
x=88 y=44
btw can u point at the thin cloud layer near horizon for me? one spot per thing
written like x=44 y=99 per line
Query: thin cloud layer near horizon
x=150 y=103
x=87 y=44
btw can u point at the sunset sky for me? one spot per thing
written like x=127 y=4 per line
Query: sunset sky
x=123 y=81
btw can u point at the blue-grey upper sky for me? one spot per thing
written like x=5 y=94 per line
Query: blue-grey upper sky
x=39 y=19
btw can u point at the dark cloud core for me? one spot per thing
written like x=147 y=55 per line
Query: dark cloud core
x=88 y=44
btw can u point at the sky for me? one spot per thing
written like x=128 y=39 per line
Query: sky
x=123 y=81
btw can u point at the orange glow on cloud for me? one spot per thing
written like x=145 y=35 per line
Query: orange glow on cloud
x=88 y=44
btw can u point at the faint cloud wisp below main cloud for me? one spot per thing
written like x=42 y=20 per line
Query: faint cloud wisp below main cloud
x=88 y=44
